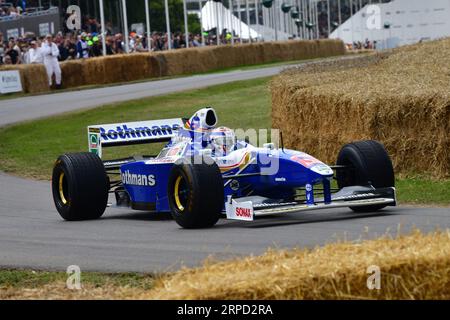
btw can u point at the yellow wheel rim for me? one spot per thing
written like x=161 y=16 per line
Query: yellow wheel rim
x=62 y=196
x=176 y=192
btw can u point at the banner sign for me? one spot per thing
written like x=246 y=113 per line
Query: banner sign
x=10 y=82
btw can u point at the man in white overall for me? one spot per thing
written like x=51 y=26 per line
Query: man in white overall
x=50 y=53
x=34 y=55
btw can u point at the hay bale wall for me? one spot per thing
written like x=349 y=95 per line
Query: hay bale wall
x=125 y=68
x=33 y=77
x=401 y=99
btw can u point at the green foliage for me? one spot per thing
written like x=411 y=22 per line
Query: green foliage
x=136 y=14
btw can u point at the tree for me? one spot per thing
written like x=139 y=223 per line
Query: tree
x=136 y=14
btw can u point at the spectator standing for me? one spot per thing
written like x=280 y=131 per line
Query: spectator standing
x=118 y=44
x=13 y=51
x=82 y=47
x=95 y=49
x=139 y=45
x=34 y=54
x=109 y=46
x=70 y=44
x=50 y=52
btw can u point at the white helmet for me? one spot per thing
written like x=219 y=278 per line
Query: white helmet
x=223 y=140
x=204 y=119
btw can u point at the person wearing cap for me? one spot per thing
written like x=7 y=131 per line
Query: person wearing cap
x=34 y=54
x=50 y=53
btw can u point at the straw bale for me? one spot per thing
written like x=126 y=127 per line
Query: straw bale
x=33 y=77
x=400 y=98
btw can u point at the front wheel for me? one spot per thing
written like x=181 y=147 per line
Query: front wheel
x=367 y=164
x=195 y=192
x=80 y=186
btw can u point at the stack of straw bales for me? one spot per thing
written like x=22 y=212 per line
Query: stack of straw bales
x=125 y=68
x=401 y=98
x=415 y=266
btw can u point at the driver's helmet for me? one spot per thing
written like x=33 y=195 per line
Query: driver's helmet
x=223 y=141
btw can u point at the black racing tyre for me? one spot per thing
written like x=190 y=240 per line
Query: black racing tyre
x=368 y=164
x=195 y=193
x=80 y=186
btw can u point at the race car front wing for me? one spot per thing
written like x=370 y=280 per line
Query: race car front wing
x=248 y=208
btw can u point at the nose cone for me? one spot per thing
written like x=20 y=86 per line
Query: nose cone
x=322 y=169
x=311 y=163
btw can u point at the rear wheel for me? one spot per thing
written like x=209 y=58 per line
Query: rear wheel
x=368 y=164
x=195 y=193
x=80 y=186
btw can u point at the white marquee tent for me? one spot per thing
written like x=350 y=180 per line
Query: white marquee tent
x=216 y=14
x=410 y=21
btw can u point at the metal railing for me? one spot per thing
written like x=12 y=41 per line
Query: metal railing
x=31 y=12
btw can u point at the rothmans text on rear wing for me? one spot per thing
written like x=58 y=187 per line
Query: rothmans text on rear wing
x=120 y=134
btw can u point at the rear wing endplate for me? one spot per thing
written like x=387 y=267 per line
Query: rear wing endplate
x=120 y=134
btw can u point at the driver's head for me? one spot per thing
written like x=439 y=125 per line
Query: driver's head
x=223 y=141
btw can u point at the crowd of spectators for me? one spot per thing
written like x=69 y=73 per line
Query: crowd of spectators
x=89 y=44
x=364 y=45
x=9 y=11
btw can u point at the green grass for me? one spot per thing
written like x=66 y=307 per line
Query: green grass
x=36 y=279
x=423 y=191
x=223 y=70
x=36 y=145
x=30 y=149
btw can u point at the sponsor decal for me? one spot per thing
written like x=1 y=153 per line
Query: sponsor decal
x=225 y=166
x=239 y=210
x=234 y=185
x=282 y=179
x=322 y=169
x=305 y=160
x=93 y=141
x=124 y=132
x=161 y=160
x=312 y=163
x=174 y=152
x=243 y=212
x=309 y=194
x=138 y=179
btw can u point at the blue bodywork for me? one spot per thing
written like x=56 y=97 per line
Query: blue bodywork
x=247 y=170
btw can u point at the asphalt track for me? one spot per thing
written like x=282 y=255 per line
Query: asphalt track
x=32 y=235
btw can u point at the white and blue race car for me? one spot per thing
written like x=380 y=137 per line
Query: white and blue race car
x=205 y=172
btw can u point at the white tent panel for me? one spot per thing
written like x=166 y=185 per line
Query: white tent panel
x=214 y=13
x=410 y=21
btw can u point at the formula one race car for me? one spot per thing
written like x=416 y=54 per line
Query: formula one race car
x=204 y=172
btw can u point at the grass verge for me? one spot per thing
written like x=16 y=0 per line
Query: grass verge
x=29 y=149
x=413 y=266
x=26 y=284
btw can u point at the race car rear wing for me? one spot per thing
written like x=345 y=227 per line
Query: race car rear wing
x=120 y=134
